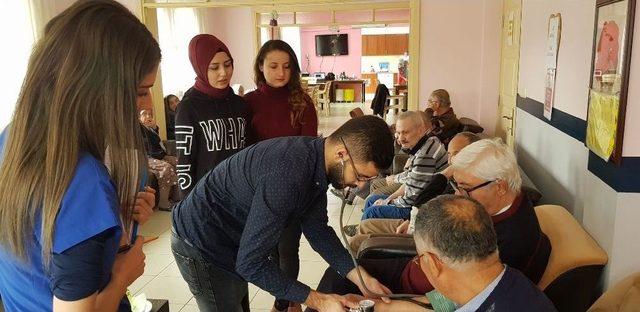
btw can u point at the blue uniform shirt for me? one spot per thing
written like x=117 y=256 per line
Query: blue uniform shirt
x=89 y=207
x=237 y=212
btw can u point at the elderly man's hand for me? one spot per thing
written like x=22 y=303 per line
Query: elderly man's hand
x=381 y=202
x=390 y=179
x=370 y=284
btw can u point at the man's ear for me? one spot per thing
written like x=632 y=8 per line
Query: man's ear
x=503 y=187
x=434 y=263
x=341 y=153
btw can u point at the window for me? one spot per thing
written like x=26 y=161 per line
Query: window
x=290 y=35
x=18 y=37
x=176 y=27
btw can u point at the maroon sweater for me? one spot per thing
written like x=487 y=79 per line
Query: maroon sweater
x=272 y=114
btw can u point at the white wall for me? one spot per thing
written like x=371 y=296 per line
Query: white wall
x=574 y=54
x=460 y=52
x=556 y=162
x=368 y=61
x=544 y=151
x=234 y=26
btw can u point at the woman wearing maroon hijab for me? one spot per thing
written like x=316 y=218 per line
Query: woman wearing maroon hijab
x=211 y=121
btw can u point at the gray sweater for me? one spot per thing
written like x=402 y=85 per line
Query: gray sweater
x=428 y=157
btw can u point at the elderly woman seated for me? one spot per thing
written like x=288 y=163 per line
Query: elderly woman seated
x=161 y=165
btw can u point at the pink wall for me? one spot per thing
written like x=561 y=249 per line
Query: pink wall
x=460 y=52
x=631 y=145
x=393 y=15
x=234 y=27
x=350 y=64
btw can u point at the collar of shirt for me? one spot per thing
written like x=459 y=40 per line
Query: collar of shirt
x=480 y=298
x=503 y=210
x=320 y=176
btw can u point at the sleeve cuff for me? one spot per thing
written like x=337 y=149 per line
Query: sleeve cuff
x=345 y=267
x=298 y=292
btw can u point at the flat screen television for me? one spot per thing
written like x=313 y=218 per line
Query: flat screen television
x=332 y=45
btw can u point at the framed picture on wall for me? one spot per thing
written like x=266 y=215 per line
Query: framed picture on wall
x=611 y=58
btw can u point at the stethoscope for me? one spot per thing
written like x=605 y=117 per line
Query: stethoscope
x=370 y=293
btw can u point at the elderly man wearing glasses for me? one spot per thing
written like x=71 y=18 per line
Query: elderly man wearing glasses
x=485 y=171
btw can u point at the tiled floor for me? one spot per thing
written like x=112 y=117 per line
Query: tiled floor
x=162 y=280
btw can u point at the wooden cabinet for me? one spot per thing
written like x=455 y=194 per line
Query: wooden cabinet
x=397 y=44
x=385 y=44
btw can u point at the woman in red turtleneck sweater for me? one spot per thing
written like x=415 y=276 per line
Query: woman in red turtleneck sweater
x=281 y=108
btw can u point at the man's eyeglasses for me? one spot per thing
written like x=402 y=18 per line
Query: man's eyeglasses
x=353 y=165
x=467 y=191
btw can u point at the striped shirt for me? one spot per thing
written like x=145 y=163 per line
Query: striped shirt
x=430 y=157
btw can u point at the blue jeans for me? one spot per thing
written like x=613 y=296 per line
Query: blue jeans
x=215 y=289
x=384 y=211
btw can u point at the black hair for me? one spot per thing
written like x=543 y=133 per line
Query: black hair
x=368 y=138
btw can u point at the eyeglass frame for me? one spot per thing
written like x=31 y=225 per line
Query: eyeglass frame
x=467 y=191
x=359 y=178
x=417 y=258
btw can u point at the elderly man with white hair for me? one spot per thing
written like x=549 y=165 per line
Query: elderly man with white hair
x=485 y=171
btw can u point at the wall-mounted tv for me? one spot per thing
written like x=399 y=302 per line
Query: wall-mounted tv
x=332 y=45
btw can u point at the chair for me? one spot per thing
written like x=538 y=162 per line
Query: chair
x=575 y=264
x=323 y=96
x=380 y=246
x=356 y=112
x=394 y=102
x=572 y=275
x=468 y=124
x=624 y=296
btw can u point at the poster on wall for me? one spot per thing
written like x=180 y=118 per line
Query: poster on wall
x=602 y=123
x=609 y=79
x=551 y=62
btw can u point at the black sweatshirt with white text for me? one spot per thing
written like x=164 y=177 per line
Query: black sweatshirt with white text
x=208 y=131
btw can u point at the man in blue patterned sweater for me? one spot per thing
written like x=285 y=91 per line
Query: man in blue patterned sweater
x=228 y=225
